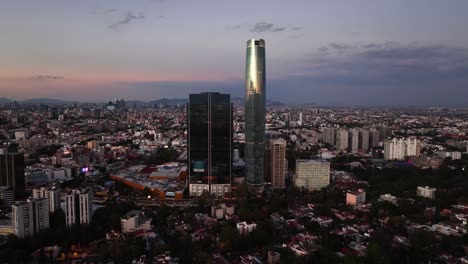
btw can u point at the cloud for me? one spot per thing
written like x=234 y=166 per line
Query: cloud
x=261 y=27
x=373 y=61
x=127 y=19
x=387 y=73
x=104 y=11
x=234 y=27
x=48 y=77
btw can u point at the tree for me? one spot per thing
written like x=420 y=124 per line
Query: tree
x=376 y=254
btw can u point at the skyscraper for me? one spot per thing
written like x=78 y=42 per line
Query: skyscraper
x=209 y=143
x=278 y=166
x=255 y=111
x=12 y=171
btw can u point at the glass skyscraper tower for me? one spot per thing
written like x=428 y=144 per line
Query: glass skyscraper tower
x=255 y=111
x=209 y=143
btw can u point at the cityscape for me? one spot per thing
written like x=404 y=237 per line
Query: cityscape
x=241 y=175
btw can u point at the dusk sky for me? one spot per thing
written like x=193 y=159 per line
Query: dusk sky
x=363 y=52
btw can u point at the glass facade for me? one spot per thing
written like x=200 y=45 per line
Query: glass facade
x=255 y=111
x=209 y=138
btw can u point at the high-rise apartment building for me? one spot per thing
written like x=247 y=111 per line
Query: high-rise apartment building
x=413 y=147
x=12 y=171
x=209 y=143
x=52 y=194
x=374 y=138
x=255 y=111
x=342 y=139
x=312 y=174
x=79 y=206
x=277 y=156
x=363 y=139
x=353 y=140
x=399 y=148
x=30 y=217
x=299 y=122
x=328 y=135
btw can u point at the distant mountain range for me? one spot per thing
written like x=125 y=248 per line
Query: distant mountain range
x=48 y=101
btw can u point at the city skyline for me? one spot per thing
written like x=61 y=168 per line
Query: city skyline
x=335 y=54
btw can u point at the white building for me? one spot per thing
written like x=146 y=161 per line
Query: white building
x=356 y=197
x=79 y=207
x=52 y=194
x=30 y=217
x=388 y=197
x=299 y=122
x=455 y=155
x=399 y=148
x=135 y=221
x=312 y=174
x=426 y=191
x=245 y=228
x=413 y=147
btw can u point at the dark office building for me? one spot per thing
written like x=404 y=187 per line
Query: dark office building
x=209 y=143
x=12 y=172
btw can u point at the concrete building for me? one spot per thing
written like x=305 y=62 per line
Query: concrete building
x=278 y=170
x=399 y=148
x=363 y=144
x=374 y=138
x=312 y=174
x=30 y=217
x=426 y=192
x=356 y=197
x=388 y=198
x=79 y=207
x=135 y=221
x=328 y=135
x=52 y=194
x=244 y=228
x=413 y=147
x=342 y=139
x=299 y=122
x=353 y=140
x=455 y=155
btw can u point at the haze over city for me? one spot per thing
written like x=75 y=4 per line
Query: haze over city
x=369 y=53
